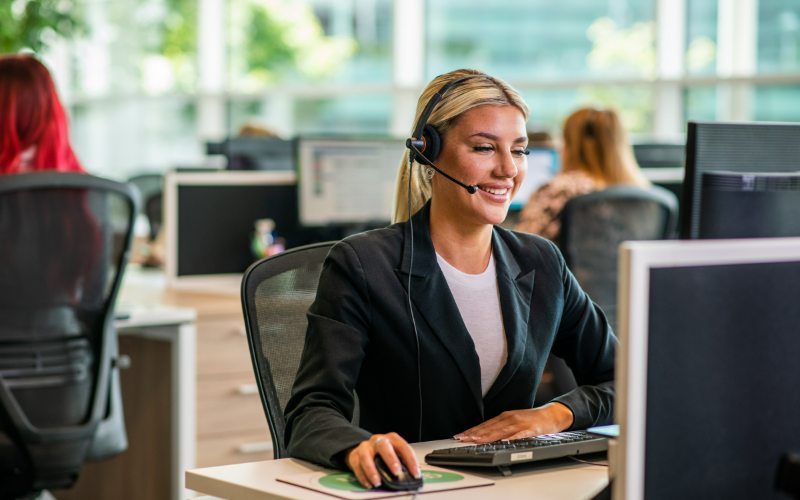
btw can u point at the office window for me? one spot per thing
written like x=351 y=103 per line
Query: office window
x=346 y=115
x=778 y=36
x=315 y=42
x=550 y=107
x=354 y=115
x=700 y=103
x=778 y=103
x=541 y=39
x=120 y=138
x=701 y=37
x=135 y=46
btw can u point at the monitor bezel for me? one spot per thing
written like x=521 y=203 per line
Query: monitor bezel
x=636 y=259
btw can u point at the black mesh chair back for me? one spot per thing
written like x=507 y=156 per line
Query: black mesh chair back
x=153 y=208
x=276 y=294
x=64 y=241
x=594 y=225
x=151 y=188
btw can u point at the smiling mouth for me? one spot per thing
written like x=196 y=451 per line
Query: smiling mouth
x=494 y=191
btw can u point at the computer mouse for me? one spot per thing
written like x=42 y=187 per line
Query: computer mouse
x=403 y=482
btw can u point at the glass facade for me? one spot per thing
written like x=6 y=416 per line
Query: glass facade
x=778 y=36
x=540 y=39
x=316 y=42
x=701 y=37
x=133 y=81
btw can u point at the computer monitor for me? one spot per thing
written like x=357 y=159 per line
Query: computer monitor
x=542 y=166
x=209 y=222
x=750 y=205
x=662 y=164
x=706 y=373
x=658 y=155
x=346 y=180
x=256 y=153
x=733 y=147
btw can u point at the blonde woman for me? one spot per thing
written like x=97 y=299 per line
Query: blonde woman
x=468 y=362
x=596 y=154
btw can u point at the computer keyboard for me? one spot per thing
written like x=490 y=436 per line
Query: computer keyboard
x=504 y=453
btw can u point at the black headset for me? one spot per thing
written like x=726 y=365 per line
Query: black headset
x=426 y=143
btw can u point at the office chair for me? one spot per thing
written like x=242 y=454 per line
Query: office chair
x=276 y=294
x=153 y=208
x=64 y=242
x=151 y=187
x=594 y=225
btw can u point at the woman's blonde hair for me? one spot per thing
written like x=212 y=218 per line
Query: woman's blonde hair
x=466 y=95
x=595 y=142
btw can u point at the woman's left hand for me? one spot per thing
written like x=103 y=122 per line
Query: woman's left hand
x=518 y=424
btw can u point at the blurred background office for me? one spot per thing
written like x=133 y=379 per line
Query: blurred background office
x=147 y=82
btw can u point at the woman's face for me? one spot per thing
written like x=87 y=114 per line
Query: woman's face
x=483 y=148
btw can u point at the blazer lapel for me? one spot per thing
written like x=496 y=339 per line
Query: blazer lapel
x=432 y=298
x=516 y=290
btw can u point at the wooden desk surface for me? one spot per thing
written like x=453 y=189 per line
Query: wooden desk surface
x=556 y=480
x=148 y=288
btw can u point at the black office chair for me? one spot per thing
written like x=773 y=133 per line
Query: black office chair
x=64 y=241
x=592 y=228
x=276 y=294
x=594 y=225
x=153 y=208
x=151 y=187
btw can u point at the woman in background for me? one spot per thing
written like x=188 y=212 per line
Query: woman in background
x=33 y=125
x=40 y=227
x=596 y=155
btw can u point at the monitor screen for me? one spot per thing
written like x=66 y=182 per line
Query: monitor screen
x=659 y=155
x=733 y=147
x=345 y=181
x=212 y=216
x=255 y=153
x=542 y=166
x=707 y=370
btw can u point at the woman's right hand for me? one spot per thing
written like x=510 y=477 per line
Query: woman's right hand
x=361 y=459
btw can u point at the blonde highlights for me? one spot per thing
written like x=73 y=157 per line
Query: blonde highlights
x=466 y=95
x=595 y=142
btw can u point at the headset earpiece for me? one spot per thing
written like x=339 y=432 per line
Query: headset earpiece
x=433 y=145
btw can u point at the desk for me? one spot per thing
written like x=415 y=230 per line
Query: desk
x=556 y=480
x=230 y=424
x=158 y=399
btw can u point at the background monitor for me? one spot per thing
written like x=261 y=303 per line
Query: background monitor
x=659 y=155
x=210 y=220
x=733 y=147
x=707 y=375
x=750 y=205
x=542 y=166
x=662 y=164
x=256 y=153
x=345 y=181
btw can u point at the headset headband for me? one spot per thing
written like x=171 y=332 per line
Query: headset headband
x=434 y=100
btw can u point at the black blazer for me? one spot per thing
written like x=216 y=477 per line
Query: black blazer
x=360 y=337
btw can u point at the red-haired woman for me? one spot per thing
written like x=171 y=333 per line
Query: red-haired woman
x=61 y=229
x=33 y=125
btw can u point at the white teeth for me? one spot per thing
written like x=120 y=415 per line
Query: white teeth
x=495 y=191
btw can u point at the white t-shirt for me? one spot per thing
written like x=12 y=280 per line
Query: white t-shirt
x=478 y=301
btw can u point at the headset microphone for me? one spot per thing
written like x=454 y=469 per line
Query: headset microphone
x=410 y=144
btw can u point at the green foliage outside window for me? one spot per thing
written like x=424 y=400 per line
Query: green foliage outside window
x=274 y=40
x=34 y=24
